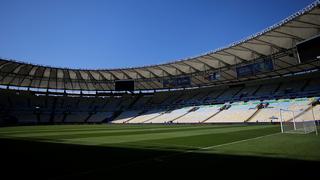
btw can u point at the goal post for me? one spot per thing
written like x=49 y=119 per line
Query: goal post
x=299 y=121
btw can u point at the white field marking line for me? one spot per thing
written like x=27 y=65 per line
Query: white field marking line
x=191 y=151
x=235 y=142
x=173 y=155
x=159 y=158
x=219 y=145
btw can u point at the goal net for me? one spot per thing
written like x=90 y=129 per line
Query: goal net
x=298 y=121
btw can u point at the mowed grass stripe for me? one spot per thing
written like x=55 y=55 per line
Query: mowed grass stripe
x=205 y=140
x=103 y=140
x=89 y=131
x=295 y=146
x=95 y=133
x=252 y=140
x=63 y=128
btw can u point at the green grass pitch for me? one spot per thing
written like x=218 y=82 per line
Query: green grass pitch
x=96 y=149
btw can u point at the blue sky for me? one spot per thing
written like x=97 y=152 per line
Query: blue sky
x=125 y=33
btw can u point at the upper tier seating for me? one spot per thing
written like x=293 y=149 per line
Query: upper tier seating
x=313 y=85
x=267 y=90
x=186 y=106
x=76 y=117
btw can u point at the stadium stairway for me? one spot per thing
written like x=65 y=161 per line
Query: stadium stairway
x=127 y=121
x=87 y=119
x=253 y=115
x=238 y=91
x=152 y=118
x=255 y=92
x=212 y=116
x=181 y=116
x=278 y=87
x=305 y=85
x=113 y=117
x=136 y=99
x=300 y=114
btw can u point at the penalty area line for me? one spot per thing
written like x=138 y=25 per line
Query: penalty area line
x=235 y=142
x=200 y=149
x=166 y=157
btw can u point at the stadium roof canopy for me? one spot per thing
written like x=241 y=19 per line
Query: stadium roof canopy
x=277 y=42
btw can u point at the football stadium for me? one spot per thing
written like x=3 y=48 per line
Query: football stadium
x=252 y=106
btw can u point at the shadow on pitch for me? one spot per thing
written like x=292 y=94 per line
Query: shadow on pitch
x=40 y=160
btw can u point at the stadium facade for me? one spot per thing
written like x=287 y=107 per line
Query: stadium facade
x=247 y=81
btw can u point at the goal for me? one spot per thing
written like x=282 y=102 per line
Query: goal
x=298 y=121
